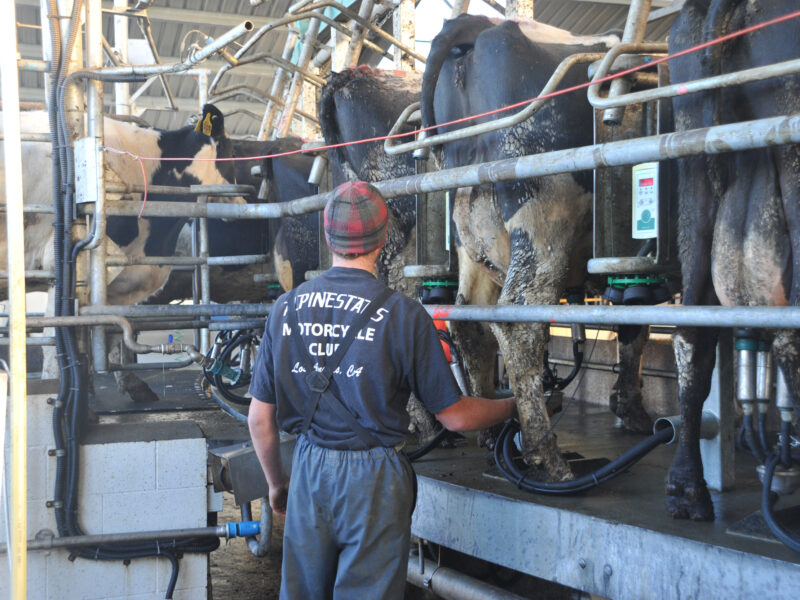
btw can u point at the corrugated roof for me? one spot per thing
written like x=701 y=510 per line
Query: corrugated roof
x=174 y=22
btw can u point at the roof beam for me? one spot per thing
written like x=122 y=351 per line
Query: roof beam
x=185 y=15
x=264 y=69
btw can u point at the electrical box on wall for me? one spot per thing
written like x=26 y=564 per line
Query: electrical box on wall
x=644 y=222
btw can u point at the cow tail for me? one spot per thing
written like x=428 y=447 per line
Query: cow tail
x=326 y=112
x=461 y=31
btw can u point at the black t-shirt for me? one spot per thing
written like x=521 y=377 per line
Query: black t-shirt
x=396 y=353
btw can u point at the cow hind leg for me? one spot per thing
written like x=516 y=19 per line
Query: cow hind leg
x=626 y=395
x=687 y=493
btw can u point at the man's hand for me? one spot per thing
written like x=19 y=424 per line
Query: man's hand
x=277 y=498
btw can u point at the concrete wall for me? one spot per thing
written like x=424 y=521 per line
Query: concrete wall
x=133 y=478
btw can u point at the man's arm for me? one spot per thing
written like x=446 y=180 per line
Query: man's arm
x=266 y=441
x=471 y=413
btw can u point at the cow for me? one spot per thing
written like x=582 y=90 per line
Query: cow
x=128 y=236
x=293 y=241
x=739 y=214
x=361 y=103
x=519 y=242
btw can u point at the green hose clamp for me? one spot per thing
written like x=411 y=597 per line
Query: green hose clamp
x=626 y=281
x=436 y=283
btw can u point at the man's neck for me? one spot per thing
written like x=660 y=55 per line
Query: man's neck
x=365 y=262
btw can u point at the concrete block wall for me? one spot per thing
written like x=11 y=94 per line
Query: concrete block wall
x=133 y=477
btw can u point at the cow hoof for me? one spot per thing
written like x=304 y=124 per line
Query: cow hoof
x=689 y=501
x=634 y=417
x=141 y=393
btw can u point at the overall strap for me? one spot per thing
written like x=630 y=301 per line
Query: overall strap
x=319 y=381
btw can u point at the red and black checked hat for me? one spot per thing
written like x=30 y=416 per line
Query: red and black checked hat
x=355 y=219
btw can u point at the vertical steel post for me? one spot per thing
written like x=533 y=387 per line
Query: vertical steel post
x=278 y=83
x=73 y=96
x=459 y=7
x=202 y=89
x=47 y=48
x=122 y=91
x=718 y=452
x=359 y=33
x=12 y=158
x=97 y=258
x=634 y=32
x=309 y=40
x=519 y=9
x=310 y=128
x=405 y=32
x=205 y=283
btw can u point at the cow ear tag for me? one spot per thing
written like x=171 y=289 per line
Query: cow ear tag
x=207 y=126
x=198 y=125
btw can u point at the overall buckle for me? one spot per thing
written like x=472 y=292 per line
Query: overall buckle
x=317 y=382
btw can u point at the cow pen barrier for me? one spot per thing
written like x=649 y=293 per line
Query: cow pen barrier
x=734 y=137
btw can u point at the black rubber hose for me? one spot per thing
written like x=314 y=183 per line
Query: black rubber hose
x=750 y=439
x=768 y=500
x=762 y=433
x=245 y=337
x=786 y=447
x=504 y=460
x=430 y=445
x=228 y=409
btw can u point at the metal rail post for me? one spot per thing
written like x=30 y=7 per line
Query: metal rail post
x=634 y=32
x=122 y=91
x=519 y=9
x=404 y=30
x=359 y=33
x=97 y=257
x=459 y=8
x=309 y=40
x=205 y=283
x=12 y=157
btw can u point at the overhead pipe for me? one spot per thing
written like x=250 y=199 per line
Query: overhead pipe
x=18 y=422
x=391 y=147
x=719 y=139
x=451 y=584
x=635 y=26
x=242 y=259
x=780 y=69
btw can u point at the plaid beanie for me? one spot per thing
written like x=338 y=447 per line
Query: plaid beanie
x=355 y=219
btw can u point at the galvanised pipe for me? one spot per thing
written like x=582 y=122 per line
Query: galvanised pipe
x=31 y=341
x=306 y=52
x=769 y=317
x=32 y=274
x=17 y=424
x=780 y=69
x=128 y=337
x=451 y=584
x=747 y=135
x=174 y=310
x=216 y=189
x=278 y=83
x=635 y=26
x=593 y=366
x=227 y=531
x=359 y=33
x=37 y=66
x=205 y=280
x=390 y=147
x=126 y=261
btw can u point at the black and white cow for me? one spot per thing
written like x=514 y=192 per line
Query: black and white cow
x=128 y=236
x=739 y=214
x=362 y=103
x=293 y=241
x=520 y=242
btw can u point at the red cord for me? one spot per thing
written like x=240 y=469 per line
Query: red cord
x=581 y=86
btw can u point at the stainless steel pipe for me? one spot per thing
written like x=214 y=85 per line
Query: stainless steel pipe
x=451 y=584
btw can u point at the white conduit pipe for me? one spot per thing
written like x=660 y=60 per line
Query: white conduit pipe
x=12 y=157
x=451 y=584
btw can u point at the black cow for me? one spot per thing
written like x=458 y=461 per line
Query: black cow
x=739 y=214
x=362 y=103
x=521 y=242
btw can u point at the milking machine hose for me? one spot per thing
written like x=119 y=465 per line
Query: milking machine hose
x=768 y=500
x=504 y=459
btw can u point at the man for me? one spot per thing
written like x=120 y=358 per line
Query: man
x=339 y=357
